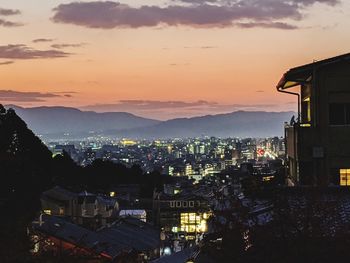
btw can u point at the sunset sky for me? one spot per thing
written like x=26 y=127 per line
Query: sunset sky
x=163 y=59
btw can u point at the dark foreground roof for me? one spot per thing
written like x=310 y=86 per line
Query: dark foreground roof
x=124 y=235
x=318 y=211
x=179 y=257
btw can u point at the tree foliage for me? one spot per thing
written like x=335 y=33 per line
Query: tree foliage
x=27 y=168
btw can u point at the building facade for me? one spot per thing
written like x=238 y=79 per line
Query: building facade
x=185 y=214
x=317 y=139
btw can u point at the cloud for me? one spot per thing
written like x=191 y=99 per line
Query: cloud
x=147 y=105
x=6 y=63
x=179 y=64
x=24 y=52
x=196 y=1
x=168 y=109
x=11 y=95
x=278 y=25
x=41 y=40
x=25 y=96
x=230 y=2
x=66 y=92
x=9 y=12
x=202 y=47
x=208 y=47
x=154 y=104
x=193 y=13
x=6 y=23
x=61 y=46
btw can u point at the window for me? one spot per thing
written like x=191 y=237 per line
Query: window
x=61 y=211
x=306 y=110
x=344 y=177
x=192 y=222
x=47 y=211
x=192 y=218
x=191 y=204
x=339 y=113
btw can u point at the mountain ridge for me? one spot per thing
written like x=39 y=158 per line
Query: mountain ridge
x=57 y=120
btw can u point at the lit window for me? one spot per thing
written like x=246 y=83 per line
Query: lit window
x=268 y=178
x=344 y=177
x=61 y=211
x=306 y=110
x=192 y=222
x=203 y=226
x=191 y=228
x=184 y=218
x=192 y=218
x=47 y=211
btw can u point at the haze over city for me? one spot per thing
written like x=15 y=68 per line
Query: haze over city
x=163 y=59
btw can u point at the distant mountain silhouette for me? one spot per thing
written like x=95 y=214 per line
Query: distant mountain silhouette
x=54 y=121
x=235 y=124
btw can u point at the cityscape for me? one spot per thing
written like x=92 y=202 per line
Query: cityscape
x=174 y=131
x=193 y=158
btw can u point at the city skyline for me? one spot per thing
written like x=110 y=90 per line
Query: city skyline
x=162 y=59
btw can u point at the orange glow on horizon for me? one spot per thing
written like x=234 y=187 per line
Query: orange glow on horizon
x=227 y=66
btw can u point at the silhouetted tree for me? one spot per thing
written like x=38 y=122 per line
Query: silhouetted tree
x=28 y=169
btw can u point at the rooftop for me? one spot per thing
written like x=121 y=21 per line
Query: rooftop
x=302 y=74
x=128 y=234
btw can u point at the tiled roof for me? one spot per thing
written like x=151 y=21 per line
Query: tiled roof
x=320 y=211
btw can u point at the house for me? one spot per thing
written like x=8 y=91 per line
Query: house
x=60 y=202
x=317 y=139
x=81 y=208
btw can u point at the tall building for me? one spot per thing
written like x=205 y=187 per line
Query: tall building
x=318 y=139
